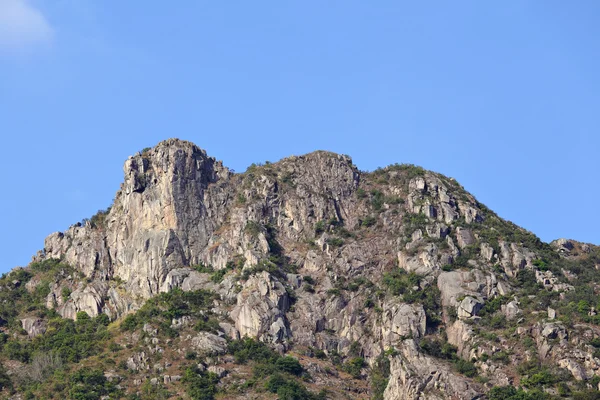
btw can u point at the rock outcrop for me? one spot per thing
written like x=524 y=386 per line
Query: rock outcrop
x=310 y=253
x=415 y=376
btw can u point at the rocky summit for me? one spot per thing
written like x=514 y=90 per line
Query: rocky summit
x=301 y=279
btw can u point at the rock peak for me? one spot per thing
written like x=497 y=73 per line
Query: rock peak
x=172 y=143
x=311 y=253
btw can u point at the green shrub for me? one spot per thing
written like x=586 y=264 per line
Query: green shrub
x=399 y=282
x=289 y=365
x=335 y=242
x=5 y=382
x=253 y=229
x=413 y=222
x=200 y=385
x=501 y=356
x=354 y=367
x=368 y=221
x=466 y=368
x=98 y=220
x=380 y=375
x=90 y=384
x=129 y=323
x=248 y=349
x=377 y=200
x=204 y=269
x=65 y=293
x=512 y=393
x=538 y=379
x=207 y=324
x=589 y=394
x=167 y=306
x=319 y=227
x=288 y=389
x=435 y=348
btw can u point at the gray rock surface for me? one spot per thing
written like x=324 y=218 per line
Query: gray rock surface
x=415 y=376
x=306 y=244
x=208 y=343
x=34 y=326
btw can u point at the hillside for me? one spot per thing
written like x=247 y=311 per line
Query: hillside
x=300 y=279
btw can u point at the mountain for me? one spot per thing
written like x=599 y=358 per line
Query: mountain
x=300 y=279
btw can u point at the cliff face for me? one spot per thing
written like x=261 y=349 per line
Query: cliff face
x=311 y=253
x=172 y=199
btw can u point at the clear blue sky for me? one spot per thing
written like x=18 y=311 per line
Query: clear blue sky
x=503 y=96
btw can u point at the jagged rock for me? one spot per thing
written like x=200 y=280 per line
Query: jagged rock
x=208 y=343
x=401 y=321
x=562 y=245
x=551 y=331
x=423 y=264
x=476 y=284
x=459 y=335
x=511 y=310
x=178 y=323
x=112 y=377
x=551 y=313
x=219 y=371
x=464 y=237
x=451 y=286
x=158 y=368
x=229 y=330
x=138 y=361
x=150 y=330
x=574 y=368
x=469 y=307
x=160 y=220
x=547 y=333
x=514 y=257
x=415 y=376
x=551 y=282
x=184 y=278
x=487 y=251
x=88 y=299
x=167 y=379
x=34 y=326
x=260 y=309
x=503 y=288
x=319 y=216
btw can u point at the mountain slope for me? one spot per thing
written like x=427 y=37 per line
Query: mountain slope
x=395 y=284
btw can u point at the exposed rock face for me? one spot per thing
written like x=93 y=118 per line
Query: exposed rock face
x=88 y=299
x=460 y=335
x=551 y=282
x=512 y=310
x=563 y=245
x=301 y=253
x=138 y=362
x=208 y=343
x=415 y=376
x=402 y=320
x=261 y=307
x=469 y=307
x=34 y=326
x=161 y=219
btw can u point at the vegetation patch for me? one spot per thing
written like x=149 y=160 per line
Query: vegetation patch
x=272 y=372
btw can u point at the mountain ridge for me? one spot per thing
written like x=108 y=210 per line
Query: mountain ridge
x=398 y=274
